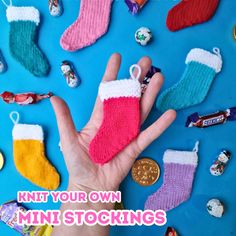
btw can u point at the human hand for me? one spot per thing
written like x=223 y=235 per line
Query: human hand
x=83 y=173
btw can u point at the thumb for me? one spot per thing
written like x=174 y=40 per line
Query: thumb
x=65 y=123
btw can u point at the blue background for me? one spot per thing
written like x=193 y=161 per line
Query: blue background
x=168 y=51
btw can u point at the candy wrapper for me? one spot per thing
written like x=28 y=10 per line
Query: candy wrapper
x=153 y=70
x=23 y=98
x=220 y=163
x=215 y=208
x=55 y=7
x=143 y=36
x=3 y=64
x=171 y=232
x=8 y=215
x=217 y=118
x=70 y=74
x=135 y=5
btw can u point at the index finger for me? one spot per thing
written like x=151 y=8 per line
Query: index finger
x=112 y=68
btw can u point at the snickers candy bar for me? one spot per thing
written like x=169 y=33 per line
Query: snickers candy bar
x=217 y=118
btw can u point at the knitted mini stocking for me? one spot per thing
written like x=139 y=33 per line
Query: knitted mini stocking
x=90 y=25
x=202 y=67
x=179 y=169
x=121 y=117
x=191 y=12
x=24 y=22
x=29 y=156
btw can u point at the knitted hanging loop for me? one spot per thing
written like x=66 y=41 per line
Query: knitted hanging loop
x=131 y=71
x=15 y=117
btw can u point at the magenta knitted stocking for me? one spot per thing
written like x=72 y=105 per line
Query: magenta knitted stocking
x=90 y=25
x=179 y=169
x=121 y=117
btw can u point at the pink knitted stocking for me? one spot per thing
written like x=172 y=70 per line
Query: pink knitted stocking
x=90 y=25
x=121 y=117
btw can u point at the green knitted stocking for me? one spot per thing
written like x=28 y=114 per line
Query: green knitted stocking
x=24 y=22
x=202 y=67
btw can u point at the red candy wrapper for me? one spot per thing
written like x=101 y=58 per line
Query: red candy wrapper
x=216 y=118
x=171 y=232
x=23 y=98
x=135 y=5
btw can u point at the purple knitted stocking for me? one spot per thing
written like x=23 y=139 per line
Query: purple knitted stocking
x=179 y=169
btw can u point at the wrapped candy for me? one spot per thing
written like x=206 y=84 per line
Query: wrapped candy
x=171 y=232
x=215 y=208
x=23 y=98
x=3 y=64
x=219 y=117
x=8 y=215
x=153 y=70
x=143 y=36
x=135 y=5
x=55 y=7
x=219 y=165
x=70 y=74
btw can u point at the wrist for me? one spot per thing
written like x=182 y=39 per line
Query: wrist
x=89 y=205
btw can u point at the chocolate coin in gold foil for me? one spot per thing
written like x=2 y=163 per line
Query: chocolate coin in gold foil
x=145 y=171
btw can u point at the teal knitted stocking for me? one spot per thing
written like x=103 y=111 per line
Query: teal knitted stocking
x=202 y=67
x=23 y=30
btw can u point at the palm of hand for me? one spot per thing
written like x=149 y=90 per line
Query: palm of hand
x=83 y=172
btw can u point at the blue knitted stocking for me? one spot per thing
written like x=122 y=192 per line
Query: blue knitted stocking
x=202 y=67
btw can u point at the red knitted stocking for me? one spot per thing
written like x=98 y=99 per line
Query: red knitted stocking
x=121 y=117
x=190 y=12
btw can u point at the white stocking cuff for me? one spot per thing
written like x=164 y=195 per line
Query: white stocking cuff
x=23 y=14
x=181 y=157
x=120 y=88
x=27 y=132
x=207 y=58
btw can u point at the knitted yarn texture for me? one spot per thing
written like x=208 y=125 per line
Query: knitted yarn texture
x=191 y=12
x=90 y=25
x=121 y=118
x=24 y=23
x=29 y=155
x=202 y=67
x=179 y=169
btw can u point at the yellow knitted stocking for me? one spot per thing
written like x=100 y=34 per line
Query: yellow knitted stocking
x=29 y=156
